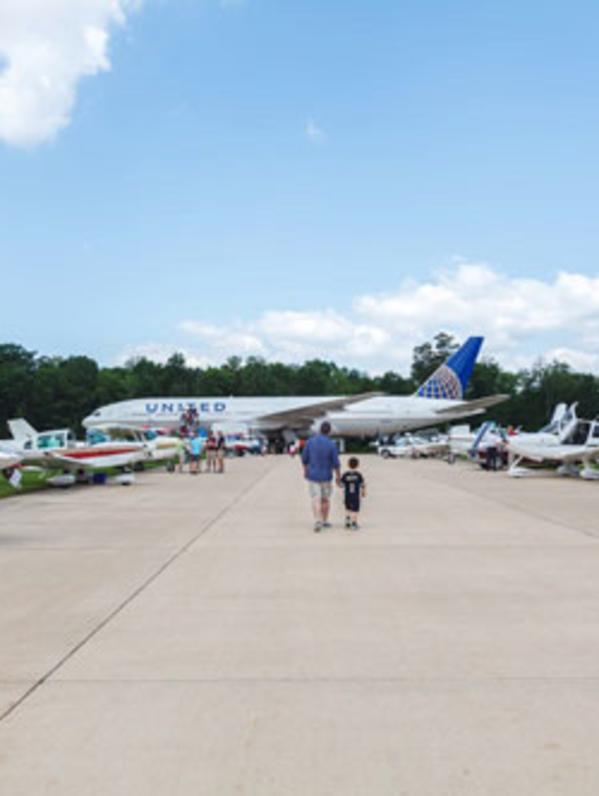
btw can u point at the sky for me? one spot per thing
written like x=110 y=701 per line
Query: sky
x=299 y=178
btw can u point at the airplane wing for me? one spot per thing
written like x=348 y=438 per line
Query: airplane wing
x=83 y=459
x=476 y=405
x=300 y=415
x=561 y=454
x=49 y=461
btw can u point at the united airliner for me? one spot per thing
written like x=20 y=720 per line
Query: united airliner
x=439 y=400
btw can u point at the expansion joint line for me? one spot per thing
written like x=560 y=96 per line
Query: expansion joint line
x=133 y=596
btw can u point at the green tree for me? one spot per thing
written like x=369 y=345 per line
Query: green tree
x=428 y=356
x=17 y=378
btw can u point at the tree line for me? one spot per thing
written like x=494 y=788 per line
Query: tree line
x=54 y=392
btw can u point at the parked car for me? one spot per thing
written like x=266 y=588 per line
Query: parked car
x=239 y=446
x=414 y=447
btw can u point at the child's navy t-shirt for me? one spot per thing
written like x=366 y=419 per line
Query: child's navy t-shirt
x=352 y=482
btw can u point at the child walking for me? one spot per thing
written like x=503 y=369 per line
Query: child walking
x=352 y=481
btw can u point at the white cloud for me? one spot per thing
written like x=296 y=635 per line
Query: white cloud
x=241 y=342
x=476 y=297
x=314 y=132
x=522 y=320
x=585 y=361
x=318 y=327
x=46 y=47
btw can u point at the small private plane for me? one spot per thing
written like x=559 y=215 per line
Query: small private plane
x=58 y=450
x=567 y=444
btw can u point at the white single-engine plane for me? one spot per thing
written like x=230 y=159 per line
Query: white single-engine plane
x=567 y=443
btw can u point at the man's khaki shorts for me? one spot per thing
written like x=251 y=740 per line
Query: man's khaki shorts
x=320 y=490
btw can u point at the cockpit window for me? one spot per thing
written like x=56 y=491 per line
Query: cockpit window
x=48 y=441
x=95 y=437
x=579 y=434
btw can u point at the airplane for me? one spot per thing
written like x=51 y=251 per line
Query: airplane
x=439 y=400
x=59 y=450
x=157 y=447
x=567 y=443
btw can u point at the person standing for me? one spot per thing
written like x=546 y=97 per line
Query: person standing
x=320 y=459
x=211 y=453
x=491 y=440
x=196 y=444
x=181 y=448
x=221 y=446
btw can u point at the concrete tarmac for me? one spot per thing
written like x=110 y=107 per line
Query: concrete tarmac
x=192 y=635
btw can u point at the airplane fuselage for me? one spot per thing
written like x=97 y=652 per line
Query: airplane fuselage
x=368 y=418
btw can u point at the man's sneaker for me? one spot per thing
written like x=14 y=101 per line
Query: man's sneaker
x=317 y=527
x=326 y=524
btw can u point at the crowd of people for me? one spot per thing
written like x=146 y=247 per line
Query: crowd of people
x=197 y=450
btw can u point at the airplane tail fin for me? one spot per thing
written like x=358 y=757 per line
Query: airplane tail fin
x=450 y=380
x=21 y=430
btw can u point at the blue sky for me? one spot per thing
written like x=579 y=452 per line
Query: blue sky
x=299 y=178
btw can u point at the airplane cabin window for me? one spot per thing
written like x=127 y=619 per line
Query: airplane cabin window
x=579 y=434
x=96 y=437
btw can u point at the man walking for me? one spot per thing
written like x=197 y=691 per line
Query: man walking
x=320 y=458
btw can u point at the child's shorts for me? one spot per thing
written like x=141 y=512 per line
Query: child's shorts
x=352 y=503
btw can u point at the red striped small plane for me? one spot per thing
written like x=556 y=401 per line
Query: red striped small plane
x=59 y=450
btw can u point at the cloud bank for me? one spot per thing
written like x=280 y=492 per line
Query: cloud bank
x=522 y=319
x=46 y=48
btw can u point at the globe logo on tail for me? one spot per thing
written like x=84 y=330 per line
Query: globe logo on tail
x=444 y=384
